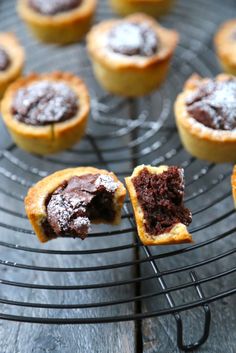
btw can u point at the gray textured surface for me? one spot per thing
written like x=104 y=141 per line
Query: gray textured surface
x=196 y=22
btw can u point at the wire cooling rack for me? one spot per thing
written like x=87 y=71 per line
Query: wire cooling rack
x=111 y=275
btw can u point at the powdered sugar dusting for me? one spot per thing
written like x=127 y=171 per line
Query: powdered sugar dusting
x=79 y=221
x=107 y=181
x=133 y=39
x=44 y=102
x=80 y=200
x=52 y=7
x=62 y=210
x=83 y=223
x=214 y=105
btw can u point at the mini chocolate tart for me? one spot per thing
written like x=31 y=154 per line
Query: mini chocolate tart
x=156 y=195
x=46 y=113
x=12 y=60
x=233 y=183
x=225 y=46
x=131 y=57
x=154 y=8
x=67 y=202
x=206 y=117
x=58 y=21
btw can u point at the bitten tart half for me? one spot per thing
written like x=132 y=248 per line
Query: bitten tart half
x=154 y=8
x=156 y=195
x=58 y=21
x=225 y=46
x=65 y=203
x=131 y=57
x=46 y=113
x=206 y=117
x=12 y=58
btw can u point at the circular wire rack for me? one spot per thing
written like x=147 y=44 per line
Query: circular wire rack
x=122 y=133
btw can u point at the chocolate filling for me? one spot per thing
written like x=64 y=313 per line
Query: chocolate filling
x=77 y=202
x=161 y=199
x=53 y=7
x=214 y=104
x=133 y=39
x=44 y=103
x=5 y=60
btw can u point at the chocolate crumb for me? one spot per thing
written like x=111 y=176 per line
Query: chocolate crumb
x=161 y=199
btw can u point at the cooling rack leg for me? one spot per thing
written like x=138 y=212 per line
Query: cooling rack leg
x=180 y=335
x=207 y=323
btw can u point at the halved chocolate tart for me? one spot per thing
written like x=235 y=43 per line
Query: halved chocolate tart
x=65 y=203
x=156 y=194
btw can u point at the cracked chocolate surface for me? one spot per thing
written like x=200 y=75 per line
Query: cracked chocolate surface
x=44 y=103
x=79 y=201
x=53 y=7
x=133 y=39
x=214 y=104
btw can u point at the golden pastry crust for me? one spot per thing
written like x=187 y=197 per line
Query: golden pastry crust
x=53 y=137
x=37 y=195
x=63 y=28
x=122 y=74
x=177 y=235
x=233 y=183
x=225 y=46
x=11 y=45
x=154 y=8
x=201 y=141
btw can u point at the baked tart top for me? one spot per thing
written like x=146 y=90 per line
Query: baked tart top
x=207 y=107
x=45 y=102
x=53 y=7
x=136 y=41
x=55 y=12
